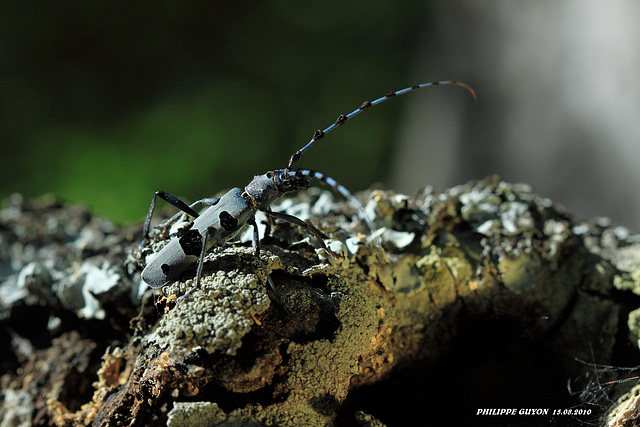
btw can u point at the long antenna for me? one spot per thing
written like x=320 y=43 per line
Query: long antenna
x=342 y=119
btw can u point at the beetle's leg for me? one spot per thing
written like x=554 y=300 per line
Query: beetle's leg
x=255 y=243
x=207 y=201
x=203 y=251
x=310 y=228
x=169 y=198
x=173 y=200
x=270 y=223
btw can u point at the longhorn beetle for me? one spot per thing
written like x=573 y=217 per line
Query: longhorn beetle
x=228 y=214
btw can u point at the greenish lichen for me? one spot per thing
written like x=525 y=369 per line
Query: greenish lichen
x=220 y=313
x=197 y=414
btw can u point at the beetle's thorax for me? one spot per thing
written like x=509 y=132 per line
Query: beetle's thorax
x=265 y=189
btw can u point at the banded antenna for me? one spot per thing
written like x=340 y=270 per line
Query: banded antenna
x=342 y=119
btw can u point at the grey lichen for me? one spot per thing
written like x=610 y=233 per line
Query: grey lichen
x=61 y=256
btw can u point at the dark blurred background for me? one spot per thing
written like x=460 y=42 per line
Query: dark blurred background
x=104 y=103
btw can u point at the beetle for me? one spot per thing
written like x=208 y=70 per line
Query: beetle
x=227 y=215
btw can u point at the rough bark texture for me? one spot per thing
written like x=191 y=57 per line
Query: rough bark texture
x=484 y=296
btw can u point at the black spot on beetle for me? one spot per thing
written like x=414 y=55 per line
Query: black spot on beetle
x=227 y=221
x=191 y=242
x=165 y=269
x=184 y=230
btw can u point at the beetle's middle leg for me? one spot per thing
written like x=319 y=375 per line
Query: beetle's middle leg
x=203 y=251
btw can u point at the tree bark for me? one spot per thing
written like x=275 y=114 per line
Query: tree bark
x=483 y=296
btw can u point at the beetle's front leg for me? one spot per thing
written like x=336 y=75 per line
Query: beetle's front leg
x=255 y=243
x=269 y=224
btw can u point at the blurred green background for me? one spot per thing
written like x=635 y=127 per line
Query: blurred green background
x=105 y=103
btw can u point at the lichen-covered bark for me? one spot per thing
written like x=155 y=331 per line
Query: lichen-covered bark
x=90 y=344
